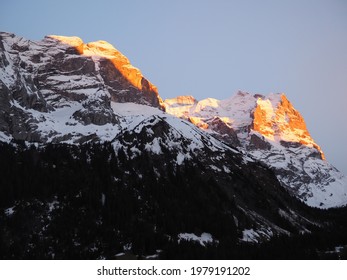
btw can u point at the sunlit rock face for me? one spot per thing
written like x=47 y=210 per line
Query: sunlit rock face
x=271 y=130
x=116 y=71
x=276 y=119
x=66 y=67
x=74 y=82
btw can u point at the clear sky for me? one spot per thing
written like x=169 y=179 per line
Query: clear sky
x=214 y=48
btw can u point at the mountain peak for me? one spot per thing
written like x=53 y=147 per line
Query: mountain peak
x=270 y=130
x=276 y=119
x=104 y=50
x=62 y=74
x=68 y=40
x=273 y=116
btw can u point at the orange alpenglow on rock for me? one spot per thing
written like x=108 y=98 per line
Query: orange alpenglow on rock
x=73 y=41
x=276 y=119
x=106 y=50
x=198 y=122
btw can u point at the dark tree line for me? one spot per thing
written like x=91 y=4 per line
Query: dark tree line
x=89 y=202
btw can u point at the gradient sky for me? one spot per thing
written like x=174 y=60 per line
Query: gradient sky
x=214 y=48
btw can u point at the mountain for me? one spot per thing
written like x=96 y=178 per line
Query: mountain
x=56 y=89
x=83 y=132
x=271 y=131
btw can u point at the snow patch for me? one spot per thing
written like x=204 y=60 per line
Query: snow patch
x=250 y=235
x=5 y=138
x=204 y=239
x=103 y=199
x=9 y=211
x=52 y=205
x=127 y=247
x=119 y=254
x=256 y=236
x=154 y=147
x=180 y=158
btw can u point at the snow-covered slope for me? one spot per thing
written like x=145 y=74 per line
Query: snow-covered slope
x=269 y=129
x=153 y=130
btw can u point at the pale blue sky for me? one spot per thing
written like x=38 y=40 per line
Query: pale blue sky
x=214 y=48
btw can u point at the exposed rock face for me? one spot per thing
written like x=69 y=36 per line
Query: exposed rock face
x=271 y=130
x=124 y=81
x=225 y=132
x=59 y=73
x=257 y=142
x=276 y=118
